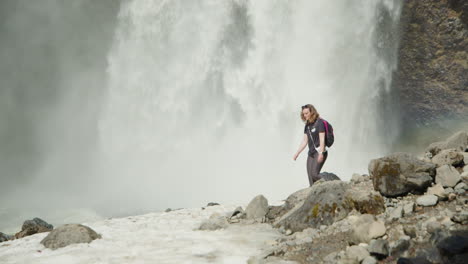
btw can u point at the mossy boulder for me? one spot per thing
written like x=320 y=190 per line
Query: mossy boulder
x=401 y=173
x=326 y=203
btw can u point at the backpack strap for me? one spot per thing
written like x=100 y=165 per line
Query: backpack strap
x=326 y=126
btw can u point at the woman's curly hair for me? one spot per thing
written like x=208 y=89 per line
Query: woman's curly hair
x=314 y=115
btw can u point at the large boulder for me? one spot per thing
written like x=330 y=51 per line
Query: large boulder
x=69 y=234
x=447 y=176
x=326 y=203
x=448 y=157
x=401 y=173
x=34 y=226
x=458 y=141
x=257 y=208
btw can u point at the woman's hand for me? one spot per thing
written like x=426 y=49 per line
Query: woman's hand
x=295 y=156
x=320 y=158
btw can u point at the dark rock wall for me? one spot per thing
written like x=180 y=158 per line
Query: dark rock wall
x=432 y=75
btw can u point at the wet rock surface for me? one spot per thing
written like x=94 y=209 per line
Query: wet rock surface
x=432 y=75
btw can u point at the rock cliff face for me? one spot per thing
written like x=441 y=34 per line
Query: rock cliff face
x=432 y=75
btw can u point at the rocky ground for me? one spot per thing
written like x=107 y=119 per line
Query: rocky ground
x=407 y=210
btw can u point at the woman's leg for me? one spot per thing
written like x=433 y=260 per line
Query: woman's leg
x=314 y=167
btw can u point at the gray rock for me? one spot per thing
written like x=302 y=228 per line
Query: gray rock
x=465 y=160
x=400 y=246
x=257 y=208
x=432 y=226
x=357 y=178
x=365 y=227
x=427 y=200
x=365 y=201
x=215 y=222
x=448 y=157
x=408 y=208
x=31 y=227
x=69 y=234
x=369 y=260
x=410 y=231
x=212 y=204
x=357 y=253
x=401 y=173
x=378 y=248
x=461 y=217
x=448 y=176
x=5 y=237
x=396 y=213
x=458 y=141
x=437 y=190
x=237 y=212
x=461 y=186
x=449 y=190
x=328 y=176
x=325 y=204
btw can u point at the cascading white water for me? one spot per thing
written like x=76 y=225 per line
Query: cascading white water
x=203 y=97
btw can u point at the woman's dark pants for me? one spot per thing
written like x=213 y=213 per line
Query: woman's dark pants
x=314 y=167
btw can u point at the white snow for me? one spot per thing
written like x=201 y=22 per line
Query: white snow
x=151 y=238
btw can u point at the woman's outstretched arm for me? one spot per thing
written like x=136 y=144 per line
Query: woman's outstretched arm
x=301 y=147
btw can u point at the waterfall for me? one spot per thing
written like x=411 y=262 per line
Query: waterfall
x=203 y=97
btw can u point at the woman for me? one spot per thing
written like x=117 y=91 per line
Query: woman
x=314 y=136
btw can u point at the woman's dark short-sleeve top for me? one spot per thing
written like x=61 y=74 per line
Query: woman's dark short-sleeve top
x=313 y=129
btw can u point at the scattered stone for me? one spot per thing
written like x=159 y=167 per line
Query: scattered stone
x=357 y=178
x=5 y=237
x=211 y=204
x=237 y=212
x=448 y=157
x=452 y=196
x=449 y=190
x=328 y=176
x=408 y=208
x=401 y=173
x=369 y=260
x=410 y=231
x=167 y=210
x=365 y=227
x=215 y=222
x=378 y=248
x=448 y=176
x=396 y=213
x=437 y=190
x=400 y=246
x=461 y=186
x=461 y=218
x=69 y=234
x=257 y=208
x=357 y=253
x=427 y=200
x=432 y=226
x=31 y=227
